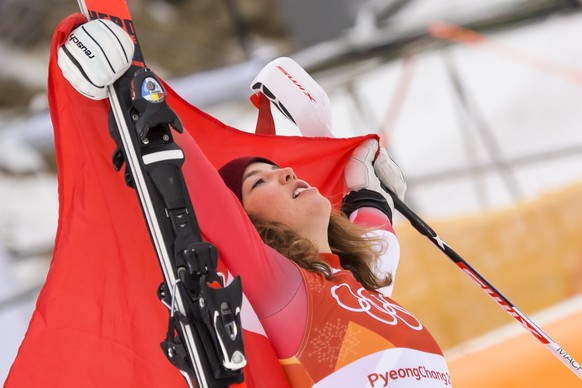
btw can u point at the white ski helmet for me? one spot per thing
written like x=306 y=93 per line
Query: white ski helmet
x=296 y=94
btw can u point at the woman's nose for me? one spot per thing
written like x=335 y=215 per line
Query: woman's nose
x=286 y=174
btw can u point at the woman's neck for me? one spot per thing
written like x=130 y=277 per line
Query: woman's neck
x=316 y=232
x=325 y=249
x=321 y=243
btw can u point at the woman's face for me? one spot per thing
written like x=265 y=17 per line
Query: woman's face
x=275 y=194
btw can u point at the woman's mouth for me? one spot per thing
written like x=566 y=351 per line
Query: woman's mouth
x=298 y=191
x=300 y=186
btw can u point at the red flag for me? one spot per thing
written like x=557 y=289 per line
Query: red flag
x=98 y=322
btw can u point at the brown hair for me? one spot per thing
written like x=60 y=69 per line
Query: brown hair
x=357 y=254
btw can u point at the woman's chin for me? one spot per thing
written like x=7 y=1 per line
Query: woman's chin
x=317 y=204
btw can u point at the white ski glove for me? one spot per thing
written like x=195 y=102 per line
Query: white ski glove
x=366 y=171
x=390 y=174
x=94 y=56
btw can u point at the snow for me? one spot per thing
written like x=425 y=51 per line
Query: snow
x=22 y=66
x=14 y=317
x=29 y=212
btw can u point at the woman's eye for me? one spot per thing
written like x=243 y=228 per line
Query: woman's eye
x=257 y=183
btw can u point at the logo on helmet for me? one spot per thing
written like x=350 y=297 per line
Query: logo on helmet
x=296 y=83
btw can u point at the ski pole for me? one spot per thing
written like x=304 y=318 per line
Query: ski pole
x=487 y=287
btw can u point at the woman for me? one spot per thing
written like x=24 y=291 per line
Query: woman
x=329 y=315
x=320 y=289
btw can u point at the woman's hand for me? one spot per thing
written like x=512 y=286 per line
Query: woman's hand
x=368 y=168
x=94 y=56
x=390 y=174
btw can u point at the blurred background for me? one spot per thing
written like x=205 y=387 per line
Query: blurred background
x=479 y=101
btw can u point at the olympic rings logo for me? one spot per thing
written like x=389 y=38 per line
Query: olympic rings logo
x=375 y=305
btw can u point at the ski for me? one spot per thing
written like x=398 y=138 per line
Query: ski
x=204 y=338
